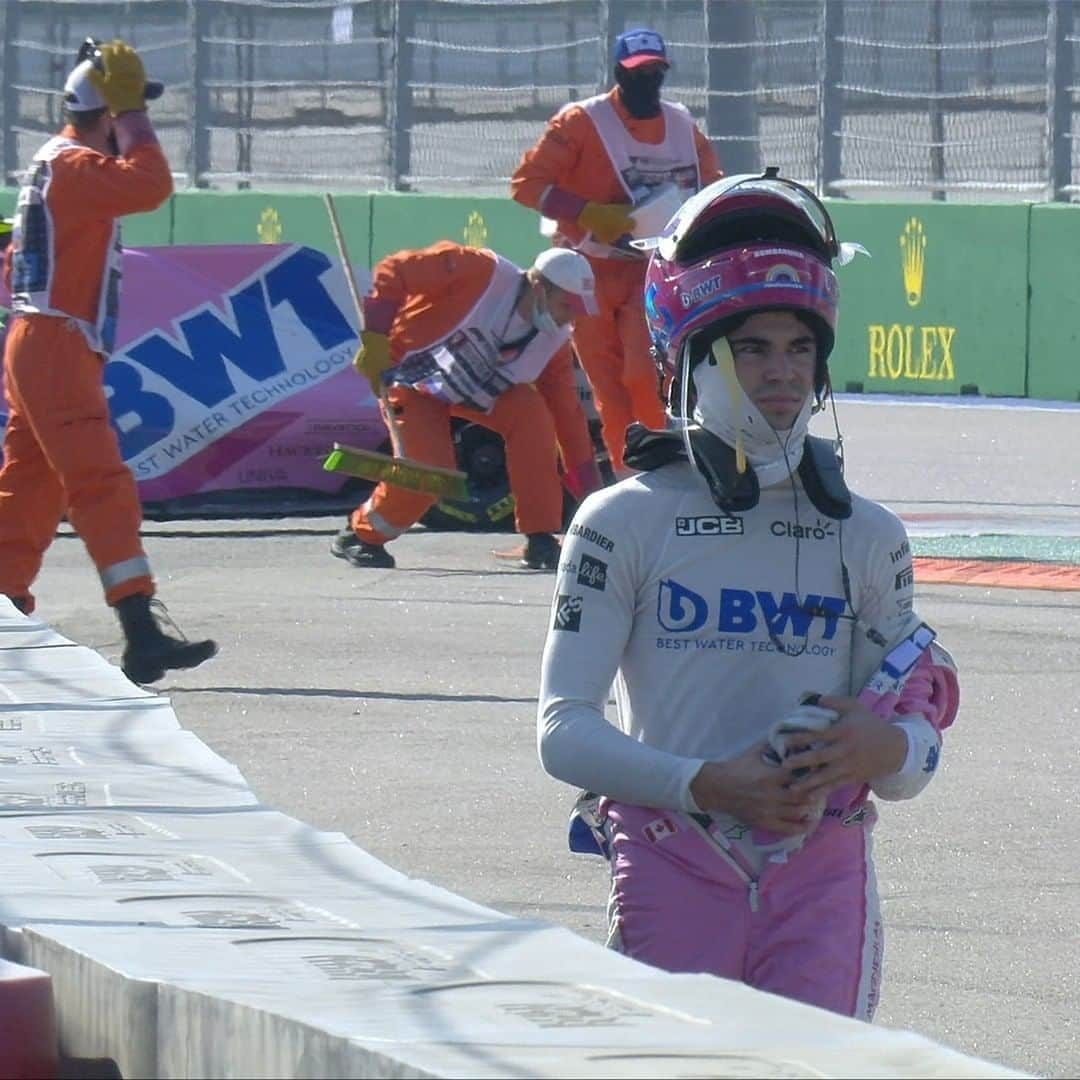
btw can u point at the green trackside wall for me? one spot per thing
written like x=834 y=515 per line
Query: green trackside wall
x=407 y=221
x=374 y=225
x=248 y=217
x=955 y=299
x=1054 y=332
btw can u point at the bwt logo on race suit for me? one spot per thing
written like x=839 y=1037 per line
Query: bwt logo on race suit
x=680 y=610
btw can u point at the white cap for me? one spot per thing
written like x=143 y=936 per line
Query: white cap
x=572 y=273
x=80 y=94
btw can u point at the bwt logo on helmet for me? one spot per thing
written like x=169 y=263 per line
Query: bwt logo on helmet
x=701 y=290
x=680 y=610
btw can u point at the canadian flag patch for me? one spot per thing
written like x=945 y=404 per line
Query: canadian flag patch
x=659 y=829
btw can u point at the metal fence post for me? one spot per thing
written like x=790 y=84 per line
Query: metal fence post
x=1059 y=77
x=399 y=128
x=9 y=100
x=731 y=111
x=198 y=156
x=245 y=92
x=937 y=119
x=830 y=96
x=611 y=20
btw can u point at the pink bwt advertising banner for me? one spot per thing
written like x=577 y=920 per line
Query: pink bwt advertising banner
x=232 y=369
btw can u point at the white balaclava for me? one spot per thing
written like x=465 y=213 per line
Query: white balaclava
x=723 y=408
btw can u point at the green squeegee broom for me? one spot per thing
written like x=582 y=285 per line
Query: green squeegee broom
x=401 y=472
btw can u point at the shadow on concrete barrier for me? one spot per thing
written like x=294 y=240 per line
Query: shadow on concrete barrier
x=190 y=931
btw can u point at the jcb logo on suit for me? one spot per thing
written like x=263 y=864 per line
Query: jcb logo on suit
x=709 y=525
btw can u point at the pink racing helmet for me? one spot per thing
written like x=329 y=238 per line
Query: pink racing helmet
x=742 y=245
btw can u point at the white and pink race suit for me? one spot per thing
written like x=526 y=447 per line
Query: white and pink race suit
x=712 y=625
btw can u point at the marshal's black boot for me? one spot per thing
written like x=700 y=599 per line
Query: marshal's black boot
x=150 y=652
x=348 y=546
x=541 y=552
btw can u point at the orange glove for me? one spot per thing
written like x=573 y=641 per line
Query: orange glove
x=373 y=358
x=606 y=221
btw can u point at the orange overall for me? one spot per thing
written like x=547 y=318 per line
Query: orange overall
x=614 y=345
x=60 y=452
x=423 y=298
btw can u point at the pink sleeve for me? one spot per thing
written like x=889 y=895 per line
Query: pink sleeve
x=931 y=689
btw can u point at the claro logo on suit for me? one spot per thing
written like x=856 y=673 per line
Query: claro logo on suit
x=910 y=351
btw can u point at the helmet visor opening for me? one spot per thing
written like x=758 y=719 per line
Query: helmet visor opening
x=742 y=228
x=761 y=210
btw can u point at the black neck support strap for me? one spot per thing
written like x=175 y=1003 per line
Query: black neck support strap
x=736 y=492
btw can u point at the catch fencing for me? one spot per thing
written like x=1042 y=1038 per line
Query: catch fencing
x=934 y=99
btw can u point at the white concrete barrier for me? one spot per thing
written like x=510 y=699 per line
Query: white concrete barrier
x=61 y=673
x=190 y=931
x=116 y=723
x=505 y=998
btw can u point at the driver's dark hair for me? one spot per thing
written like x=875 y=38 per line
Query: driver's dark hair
x=701 y=342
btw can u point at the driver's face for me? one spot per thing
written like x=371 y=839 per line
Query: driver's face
x=775 y=356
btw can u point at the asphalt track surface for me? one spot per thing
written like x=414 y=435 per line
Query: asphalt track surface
x=398 y=707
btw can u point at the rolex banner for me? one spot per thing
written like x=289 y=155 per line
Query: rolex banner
x=941 y=305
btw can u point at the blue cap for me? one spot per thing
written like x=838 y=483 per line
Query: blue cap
x=640 y=46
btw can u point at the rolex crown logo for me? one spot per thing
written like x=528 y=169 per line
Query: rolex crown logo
x=913 y=260
x=269 y=229
x=475 y=230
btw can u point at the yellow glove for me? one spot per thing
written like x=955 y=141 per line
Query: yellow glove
x=123 y=82
x=372 y=358
x=606 y=221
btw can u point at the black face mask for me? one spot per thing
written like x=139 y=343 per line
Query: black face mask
x=640 y=89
